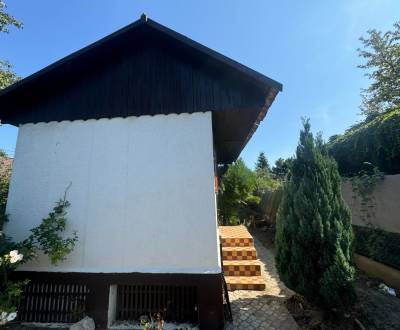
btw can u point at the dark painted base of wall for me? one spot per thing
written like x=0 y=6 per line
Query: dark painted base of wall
x=209 y=291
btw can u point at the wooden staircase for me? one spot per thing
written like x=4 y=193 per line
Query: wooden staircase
x=242 y=270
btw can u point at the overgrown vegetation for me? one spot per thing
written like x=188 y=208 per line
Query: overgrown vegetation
x=314 y=234
x=376 y=141
x=242 y=191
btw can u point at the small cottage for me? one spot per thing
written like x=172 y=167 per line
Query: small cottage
x=136 y=125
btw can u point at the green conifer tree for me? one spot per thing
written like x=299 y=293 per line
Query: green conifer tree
x=314 y=234
x=281 y=168
x=262 y=164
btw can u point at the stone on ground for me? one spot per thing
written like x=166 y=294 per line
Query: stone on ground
x=86 y=323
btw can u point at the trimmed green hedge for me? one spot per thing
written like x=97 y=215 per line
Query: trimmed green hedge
x=379 y=245
x=376 y=141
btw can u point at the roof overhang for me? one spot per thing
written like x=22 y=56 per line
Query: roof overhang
x=233 y=126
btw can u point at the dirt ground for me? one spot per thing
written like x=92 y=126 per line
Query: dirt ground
x=373 y=310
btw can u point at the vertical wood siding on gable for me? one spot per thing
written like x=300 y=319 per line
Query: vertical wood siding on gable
x=148 y=81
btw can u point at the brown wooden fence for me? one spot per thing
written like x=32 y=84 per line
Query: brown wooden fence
x=270 y=204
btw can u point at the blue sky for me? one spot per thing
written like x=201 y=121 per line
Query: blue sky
x=308 y=46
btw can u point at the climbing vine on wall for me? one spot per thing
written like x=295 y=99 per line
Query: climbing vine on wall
x=371 y=240
x=363 y=186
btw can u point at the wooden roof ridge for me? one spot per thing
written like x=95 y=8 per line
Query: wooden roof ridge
x=258 y=78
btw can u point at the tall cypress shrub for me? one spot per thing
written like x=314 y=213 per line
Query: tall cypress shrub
x=314 y=234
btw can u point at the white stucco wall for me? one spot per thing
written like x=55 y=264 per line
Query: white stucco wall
x=142 y=195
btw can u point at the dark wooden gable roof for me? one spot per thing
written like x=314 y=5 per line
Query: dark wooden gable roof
x=146 y=69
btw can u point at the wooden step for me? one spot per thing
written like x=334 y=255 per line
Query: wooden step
x=245 y=283
x=239 y=253
x=242 y=268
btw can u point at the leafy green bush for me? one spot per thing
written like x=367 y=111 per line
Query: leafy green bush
x=241 y=191
x=378 y=245
x=47 y=238
x=314 y=234
x=376 y=141
x=236 y=192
